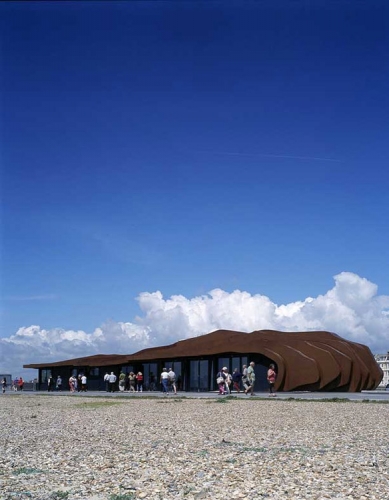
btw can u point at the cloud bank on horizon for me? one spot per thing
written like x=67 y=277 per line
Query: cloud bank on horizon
x=352 y=309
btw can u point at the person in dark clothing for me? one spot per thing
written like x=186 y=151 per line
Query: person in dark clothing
x=50 y=384
x=236 y=379
x=106 y=381
x=126 y=383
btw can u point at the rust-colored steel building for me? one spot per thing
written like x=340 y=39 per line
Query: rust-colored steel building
x=305 y=361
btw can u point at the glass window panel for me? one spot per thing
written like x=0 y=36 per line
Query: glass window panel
x=146 y=376
x=236 y=364
x=45 y=375
x=213 y=371
x=199 y=375
x=177 y=368
x=94 y=372
x=152 y=377
x=223 y=362
x=127 y=369
x=194 y=374
x=203 y=375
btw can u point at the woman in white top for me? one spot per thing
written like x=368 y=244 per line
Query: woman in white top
x=165 y=381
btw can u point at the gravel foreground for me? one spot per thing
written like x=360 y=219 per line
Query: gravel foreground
x=100 y=449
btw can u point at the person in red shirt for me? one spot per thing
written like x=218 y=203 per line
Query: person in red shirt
x=139 y=382
x=21 y=383
x=271 y=379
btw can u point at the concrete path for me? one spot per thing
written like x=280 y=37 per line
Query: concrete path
x=352 y=396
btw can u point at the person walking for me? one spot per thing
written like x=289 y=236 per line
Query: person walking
x=251 y=379
x=4 y=384
x=139 y=382
x=271 y=379
x=21 y=383
x=236 y=378
x=84 y=381
x=221 y=381
x=244 y=378
x=106 y=381
x=132 y=381
x=172 y=380
x=126 y=382
x=122 y=378
x=71 y=383
x=112 y=380
x=228 y=380
x=59 y=384
x=50 y=384
x=164 y=380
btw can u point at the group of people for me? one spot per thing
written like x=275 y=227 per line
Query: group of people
x=16 y=385
x=76 y=383
x=168 y=381
x=227 y=381
x=133 y=382
x=128 y=382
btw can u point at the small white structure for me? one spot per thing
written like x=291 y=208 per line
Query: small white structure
x=383 y=363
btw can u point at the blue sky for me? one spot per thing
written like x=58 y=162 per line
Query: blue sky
x=186 y=147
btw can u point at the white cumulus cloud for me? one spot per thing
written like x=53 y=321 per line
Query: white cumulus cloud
x=352 y=309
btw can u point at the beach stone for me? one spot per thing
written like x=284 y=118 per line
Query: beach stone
x=91 y=449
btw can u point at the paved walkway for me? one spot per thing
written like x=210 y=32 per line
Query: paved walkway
x=352 y=396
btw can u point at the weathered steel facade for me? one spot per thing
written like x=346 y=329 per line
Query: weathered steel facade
x=305 y=361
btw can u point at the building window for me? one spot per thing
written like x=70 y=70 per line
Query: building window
x=199 y=375
x=127 y=369
x=45 y=376
x=150 y=376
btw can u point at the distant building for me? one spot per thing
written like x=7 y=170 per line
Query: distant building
x=305 y=361
x=383 y=363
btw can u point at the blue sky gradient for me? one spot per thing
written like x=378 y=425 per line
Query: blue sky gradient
x=189 y=146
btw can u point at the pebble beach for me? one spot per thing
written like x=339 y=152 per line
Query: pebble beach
x=181 y=448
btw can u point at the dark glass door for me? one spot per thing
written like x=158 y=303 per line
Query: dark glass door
x=198 y=375
x=150 y=377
